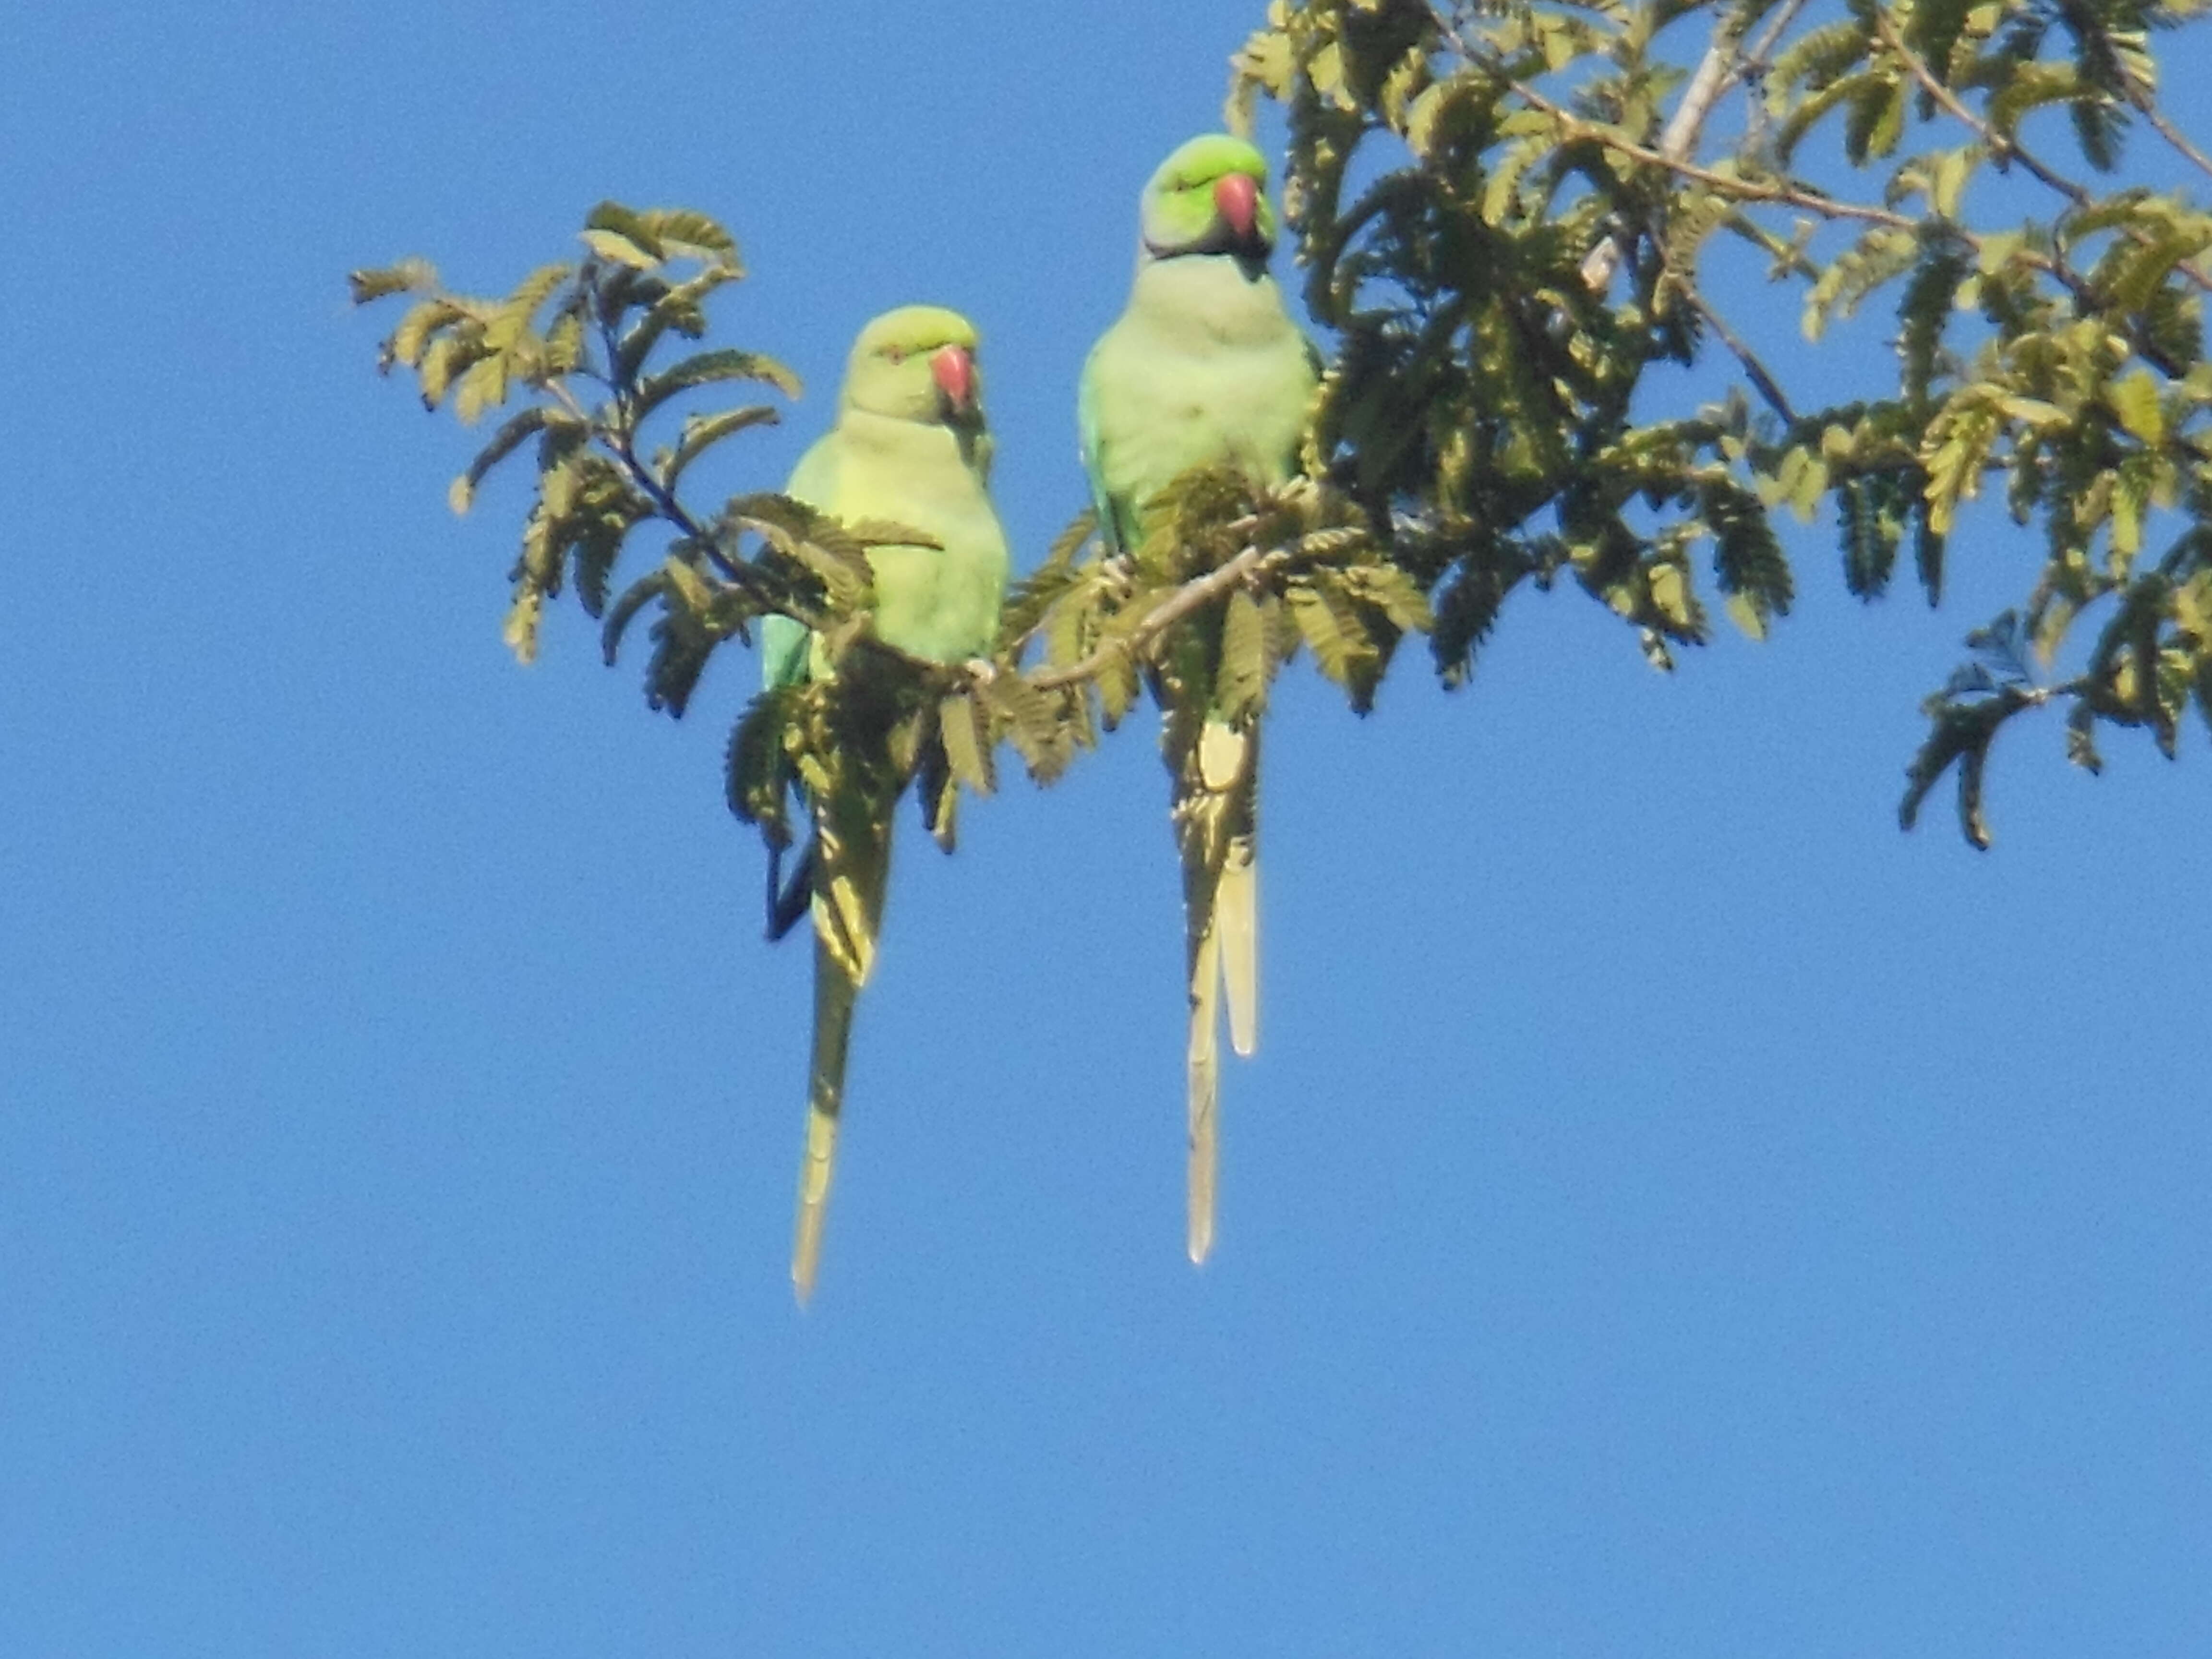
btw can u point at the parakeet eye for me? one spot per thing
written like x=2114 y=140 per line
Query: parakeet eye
x=893 y=353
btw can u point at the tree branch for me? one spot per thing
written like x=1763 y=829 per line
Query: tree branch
x=2003 y=147
x=1193 y=595
x=1741 y=189
x=620 y=445
x=1718 y=73
x=1999 y=146
x=1764 y=383
x=2146 y=105
x=1754 y=191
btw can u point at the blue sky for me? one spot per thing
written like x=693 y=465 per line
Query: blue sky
x=1671 y=1212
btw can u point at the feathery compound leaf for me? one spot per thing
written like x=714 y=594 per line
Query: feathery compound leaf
x=967 y=743
x=520 y=308
x=1343 y=649
x=408 y=342
x=2081 y=738
x=1240 y=684
x=1069 y=541
x=1960 y=735
x=679 y=231
x=702 y=432
x=598 y=544
x=1972 y=763
x=839 y=564
x=617 y=289
x=1924 y=311
x=1033 y=597
x=1039 y=723
x=1822 y=56
x=812 y=541
x=2032 y=86
x=2135 y=398
x=620 y=249
x=639 y=594
x=524 y=613
x=621 y=235
x=1850 y=92
x=682 y=309
x=1069 y=627
x=1870 y=526
x=409 y=275
x=484 y=387
x=1391 y=591
x=1928 y=544
x=1876 y=118
x=537 y=577
x=1748 y=560
x=1879 y=257
x=708 y=367
x=680 y=647
x=2144 y=268
x=1118 y=685
x=1467 y=608
x=446 y=357
x=756 y=776
x=504 y=442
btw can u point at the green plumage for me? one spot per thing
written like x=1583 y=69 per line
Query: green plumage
x=909 y=447
x=1205 y=367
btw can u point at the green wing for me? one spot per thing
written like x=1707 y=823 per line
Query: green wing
x=1116 y=523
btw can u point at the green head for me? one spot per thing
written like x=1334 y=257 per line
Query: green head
x=1210 y=196
x=917 y=363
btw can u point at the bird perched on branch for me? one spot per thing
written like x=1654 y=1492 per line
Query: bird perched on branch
x=1205 y=367
x=910 y=448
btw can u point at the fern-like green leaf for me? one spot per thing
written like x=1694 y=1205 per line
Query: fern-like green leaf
x=708 y=368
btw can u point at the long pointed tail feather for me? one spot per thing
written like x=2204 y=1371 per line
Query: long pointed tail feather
x=849 y=860
x=1236 y=918
x=1214 y=821
x=834 y=994
x=1204 y=954
x=1229 y=769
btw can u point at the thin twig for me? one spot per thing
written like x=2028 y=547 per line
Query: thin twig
x=1191 y=596
x=2146 y=105
x=1764 y=383
x=2000 y=145
x=2004 y=147
x=1714 y=74
x=621 y=447
x=1718 y=72
x=1741 y=189
x=1751 y=73
x=1744 y=190
x=1761 y=55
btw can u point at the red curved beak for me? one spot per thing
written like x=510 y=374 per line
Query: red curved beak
x=954 y=371
x=1236 y=198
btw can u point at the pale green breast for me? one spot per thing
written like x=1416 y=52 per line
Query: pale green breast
x=941 y=603
x=1205 y=365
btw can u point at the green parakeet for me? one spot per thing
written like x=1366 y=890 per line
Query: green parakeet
x=910 y=447
x=1204 y=366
